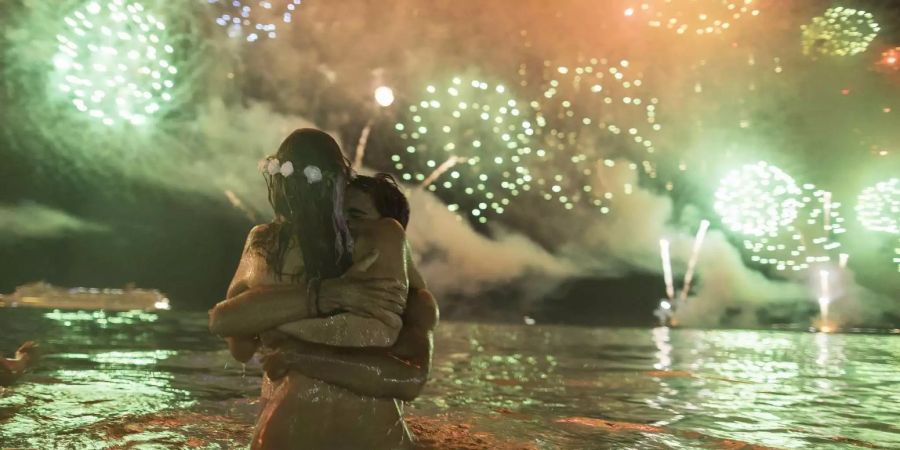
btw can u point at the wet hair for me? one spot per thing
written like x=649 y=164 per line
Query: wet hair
x=386 y=195
x=310 y=213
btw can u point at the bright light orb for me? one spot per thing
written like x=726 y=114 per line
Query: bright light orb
x=693 y=17
x=890 y=59
x=253 y=20
x=878 y=207
x=384 y=96
x=839 y=32
x=757 y=200
x=113 y=62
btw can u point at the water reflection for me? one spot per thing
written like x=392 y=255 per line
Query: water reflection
x=161 y=380
x=664 y=349
x=89 y=389
x=101 y=318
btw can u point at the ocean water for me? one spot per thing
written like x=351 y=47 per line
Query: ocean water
x=159 y=380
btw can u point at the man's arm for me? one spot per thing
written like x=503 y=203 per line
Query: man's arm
x=395 y=372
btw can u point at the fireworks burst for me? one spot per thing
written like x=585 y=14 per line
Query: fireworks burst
x=758 y=200
x=878 y=207
x=587 y=115
x=699 y=17
x=253 y=20
x=113 y=62
x=485 y=132
x=783 y=224
x=839 y=32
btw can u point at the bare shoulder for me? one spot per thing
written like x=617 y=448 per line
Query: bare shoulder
x=262 y=237
x=259 y=233
x=422 y=310
x=261 y=229
x=257 y=239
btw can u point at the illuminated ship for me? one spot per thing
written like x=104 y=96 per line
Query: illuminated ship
x=45 y=295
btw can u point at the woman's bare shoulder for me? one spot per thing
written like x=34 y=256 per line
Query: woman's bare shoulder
x=263 y=229
x=261 y=236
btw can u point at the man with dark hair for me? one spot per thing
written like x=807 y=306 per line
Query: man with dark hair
x=384 y=195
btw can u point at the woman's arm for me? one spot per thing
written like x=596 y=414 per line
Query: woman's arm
x=247 y=311
x=258 y=309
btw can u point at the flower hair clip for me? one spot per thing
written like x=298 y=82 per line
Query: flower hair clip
x=313 y=174
x=274 y=167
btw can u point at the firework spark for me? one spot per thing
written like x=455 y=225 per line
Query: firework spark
x=878 y=207
x=667 y=269
x=782 y=224
x=113 y=62
x=840 y=32
x=587 y=116
x=691 y=17
x=488 y=133
x=253 y=20
x=692 y=263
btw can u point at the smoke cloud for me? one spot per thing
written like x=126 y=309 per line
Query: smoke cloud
x=35 y=221
x=454 y=258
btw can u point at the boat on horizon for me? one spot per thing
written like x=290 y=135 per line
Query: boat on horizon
x=45 y=295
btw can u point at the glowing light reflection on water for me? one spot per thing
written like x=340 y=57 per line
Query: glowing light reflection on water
x=161 y=380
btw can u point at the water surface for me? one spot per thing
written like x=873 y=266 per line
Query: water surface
x=159 y=380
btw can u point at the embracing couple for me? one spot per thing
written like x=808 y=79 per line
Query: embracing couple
x=328 y=295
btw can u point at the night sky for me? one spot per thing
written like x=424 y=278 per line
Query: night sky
x=164 y=197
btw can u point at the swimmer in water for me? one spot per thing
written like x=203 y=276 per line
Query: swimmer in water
x=11 y=369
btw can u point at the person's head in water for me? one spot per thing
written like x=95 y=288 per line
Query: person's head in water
x=376 y=197
x=307 y=179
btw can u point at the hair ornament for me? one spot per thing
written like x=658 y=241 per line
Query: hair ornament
x=286 y=169
x=313 y=174
x=273 y=166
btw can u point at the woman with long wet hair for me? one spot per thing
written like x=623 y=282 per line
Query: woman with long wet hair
x=308 y=253
x=309 y=205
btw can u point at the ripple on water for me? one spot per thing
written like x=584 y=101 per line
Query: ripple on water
x=161 y=381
